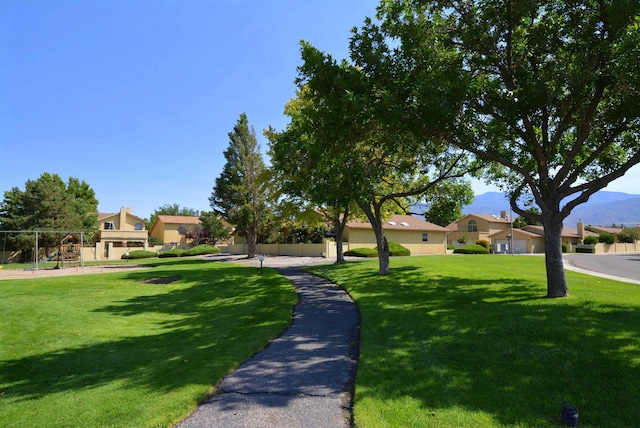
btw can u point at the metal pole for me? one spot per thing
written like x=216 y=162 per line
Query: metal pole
x=81 y=248
x=511 y=220
x=36 y=255
x=4 y=248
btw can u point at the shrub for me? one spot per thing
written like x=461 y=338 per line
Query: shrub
x=471 y=249
x=585 y=250
x=154 y=240
x=200 y=250
x=564 y=248
x=398 y=250
x=463 y=240
x=483 y=243
x=629 y=235
x=176 y=252
x=362 y=252
x=139 y=254
x=590 y=240
x=606 y=238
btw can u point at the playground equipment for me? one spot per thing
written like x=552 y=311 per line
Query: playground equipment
x=69 y=248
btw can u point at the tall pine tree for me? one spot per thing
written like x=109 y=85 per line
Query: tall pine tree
x=238 y=195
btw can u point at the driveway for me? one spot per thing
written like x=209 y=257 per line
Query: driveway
x=622 y=267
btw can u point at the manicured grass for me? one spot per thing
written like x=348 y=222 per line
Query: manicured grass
x=470 y=341
x=131 y=349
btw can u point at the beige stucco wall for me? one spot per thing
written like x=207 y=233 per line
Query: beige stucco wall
x=327 y=249
x=411 y=239
x=602 y=248
x=169 y=233
x=534 y=244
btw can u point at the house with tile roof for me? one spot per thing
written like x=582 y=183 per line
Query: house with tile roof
x=417 y=235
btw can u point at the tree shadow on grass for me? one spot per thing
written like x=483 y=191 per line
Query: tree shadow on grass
x=193 y=340
x=495 y=346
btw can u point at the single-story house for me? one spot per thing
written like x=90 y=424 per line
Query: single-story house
x=417 y=235
x=530 y=239
x=477 y=227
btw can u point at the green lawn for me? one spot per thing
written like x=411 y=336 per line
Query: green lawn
x=469 y=341
x=115 y=350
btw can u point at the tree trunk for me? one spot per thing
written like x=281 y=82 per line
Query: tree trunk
x=252 y=240
x=339 y=248
x=383 y=254
x=556 y=280
x=339 y=225
x=381 y=241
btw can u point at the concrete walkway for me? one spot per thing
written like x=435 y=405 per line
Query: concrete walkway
x=304 y=378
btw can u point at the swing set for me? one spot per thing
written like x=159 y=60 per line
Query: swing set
x=69 y=249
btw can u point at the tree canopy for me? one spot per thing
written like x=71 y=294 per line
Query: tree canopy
x=446 y=201
x=357 y=136
x=304 y=173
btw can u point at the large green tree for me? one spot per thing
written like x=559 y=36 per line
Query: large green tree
x=547 y=90
x=239 y=194
x=357 y=129
x=307 y=179
x=48 y=204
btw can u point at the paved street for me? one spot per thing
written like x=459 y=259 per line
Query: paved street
x=624 y=267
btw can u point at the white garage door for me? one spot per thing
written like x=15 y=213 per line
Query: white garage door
x=519 y=246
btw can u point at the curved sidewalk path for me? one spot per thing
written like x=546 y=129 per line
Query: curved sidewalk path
x=304 y=378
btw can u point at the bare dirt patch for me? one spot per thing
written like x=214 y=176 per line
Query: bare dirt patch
x=162 y=281
x=87 y=270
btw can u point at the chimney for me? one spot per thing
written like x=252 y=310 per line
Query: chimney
x=581 y=229
x=504 y=214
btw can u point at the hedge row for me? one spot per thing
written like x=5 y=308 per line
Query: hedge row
x=471 y=249
x=395 y=250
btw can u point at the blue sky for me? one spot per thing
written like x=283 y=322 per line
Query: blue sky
x=137 y=97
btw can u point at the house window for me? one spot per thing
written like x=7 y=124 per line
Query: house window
x=425 y=237
x=138 y=226
x=472 y=226
x=109 y=226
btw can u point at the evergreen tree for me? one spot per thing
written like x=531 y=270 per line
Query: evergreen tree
x=213 y=227
x=48 y=204
x=238 y=195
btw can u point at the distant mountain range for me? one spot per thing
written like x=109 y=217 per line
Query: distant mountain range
x=603 y=209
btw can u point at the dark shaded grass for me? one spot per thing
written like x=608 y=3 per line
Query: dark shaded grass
x=470 y=341
x=116 y=350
